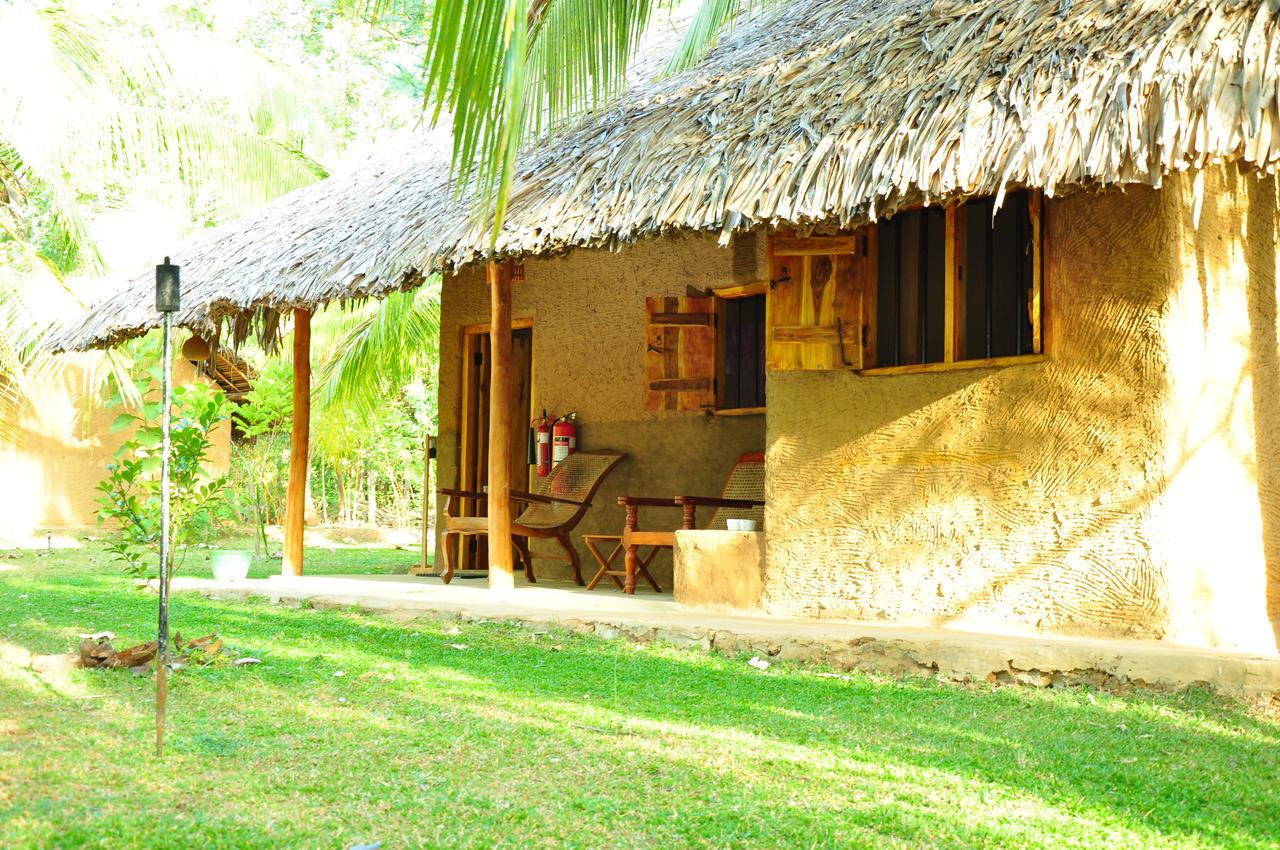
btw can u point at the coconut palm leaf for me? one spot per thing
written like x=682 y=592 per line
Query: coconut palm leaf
x=507 y=71
x=372 y=352
x=709 y=23
x=503 y=68
x=85 y=104
x=238 y=166
x=578 y=58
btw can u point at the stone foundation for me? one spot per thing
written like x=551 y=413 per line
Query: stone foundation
x=952 y=655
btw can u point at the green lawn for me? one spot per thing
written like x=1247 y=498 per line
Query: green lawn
x=343 y=559
x=517 y=739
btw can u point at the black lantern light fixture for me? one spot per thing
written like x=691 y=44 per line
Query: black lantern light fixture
x=168 y=288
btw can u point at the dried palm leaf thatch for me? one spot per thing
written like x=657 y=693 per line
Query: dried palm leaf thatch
x=827 y=111
x=345 y=238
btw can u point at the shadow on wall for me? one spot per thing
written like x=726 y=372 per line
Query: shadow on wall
x=1122 y=593
x=1207 y=545
x=1265 y=361
x=999 y=495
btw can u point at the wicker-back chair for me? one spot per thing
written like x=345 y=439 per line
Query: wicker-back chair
x=562 y=499
x=742 y=498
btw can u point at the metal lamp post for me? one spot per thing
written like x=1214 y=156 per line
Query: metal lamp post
x=168 y=296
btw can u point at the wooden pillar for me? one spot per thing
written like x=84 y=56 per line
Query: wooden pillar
x=295 y=505
x=428 y=502
x=501 y=440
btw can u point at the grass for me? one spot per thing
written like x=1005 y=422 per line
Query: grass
x=342 y=559
x=359 y=729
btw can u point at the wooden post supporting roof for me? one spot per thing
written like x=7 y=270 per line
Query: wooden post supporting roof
x=295 y=505
x=428 y=502
x=501 y=439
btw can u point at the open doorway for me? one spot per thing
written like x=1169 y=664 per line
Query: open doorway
x=473 y=463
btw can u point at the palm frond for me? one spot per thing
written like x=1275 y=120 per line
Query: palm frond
x=387 y=347
x=509 y=71
x=242 y=167
x=709 y=23
x=74 y=42
x=83 y=105
x=504 y=68
x=579 y=57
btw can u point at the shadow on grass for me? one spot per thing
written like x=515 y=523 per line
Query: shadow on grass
x=1181 y=767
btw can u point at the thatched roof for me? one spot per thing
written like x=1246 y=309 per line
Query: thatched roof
x=331 y=240
x=826 y=111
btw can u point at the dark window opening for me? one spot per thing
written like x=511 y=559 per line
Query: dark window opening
x=911 y=288
x=998 y=277
x=742 y=367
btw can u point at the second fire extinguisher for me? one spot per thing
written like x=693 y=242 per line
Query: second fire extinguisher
x=564 y=437
x=541 y=432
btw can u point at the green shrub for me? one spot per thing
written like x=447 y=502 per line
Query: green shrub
x=200 y=503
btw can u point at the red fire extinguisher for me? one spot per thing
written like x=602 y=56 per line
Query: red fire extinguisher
x=564 y=437
x=541 y=429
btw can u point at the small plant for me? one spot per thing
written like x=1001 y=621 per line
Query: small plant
x=199 y=502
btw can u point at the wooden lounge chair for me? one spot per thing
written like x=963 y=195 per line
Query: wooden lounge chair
x=742 y=498
x=552 y=512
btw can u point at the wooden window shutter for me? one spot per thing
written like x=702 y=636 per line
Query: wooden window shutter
x=680 y=365
x=815 y=314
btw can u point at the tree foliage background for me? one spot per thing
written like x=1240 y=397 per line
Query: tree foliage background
x=132 y=123
x=126 y=126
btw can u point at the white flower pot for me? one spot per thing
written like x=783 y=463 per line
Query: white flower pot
x=231 y=564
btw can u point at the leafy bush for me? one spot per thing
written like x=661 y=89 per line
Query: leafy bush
x=199 y=502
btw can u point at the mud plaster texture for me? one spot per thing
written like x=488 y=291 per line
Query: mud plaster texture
x=588 y=312
x=1125 y=486
x=49 y=475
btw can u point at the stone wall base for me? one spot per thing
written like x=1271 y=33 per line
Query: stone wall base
x=940 y=653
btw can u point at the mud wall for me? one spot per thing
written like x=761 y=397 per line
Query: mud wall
x=1111 y=489
x=588 y=315
x=63 y=443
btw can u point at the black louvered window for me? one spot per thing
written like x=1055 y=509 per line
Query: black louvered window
x=742 y=353
x=994 y=301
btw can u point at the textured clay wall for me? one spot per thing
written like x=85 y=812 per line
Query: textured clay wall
x=1115 y=488
x=49 y=476
x=588 y=316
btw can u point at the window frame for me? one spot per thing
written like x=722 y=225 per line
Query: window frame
x=722 y=295
x=953 y=296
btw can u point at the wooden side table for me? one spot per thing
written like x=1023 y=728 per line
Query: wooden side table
x=593 y=542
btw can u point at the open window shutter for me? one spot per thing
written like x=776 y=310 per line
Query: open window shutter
x=815 y=314
x=680 y=365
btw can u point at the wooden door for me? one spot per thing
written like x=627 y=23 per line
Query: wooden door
x=473 y=466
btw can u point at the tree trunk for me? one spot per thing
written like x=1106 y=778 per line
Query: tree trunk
x=501 y=562
x=299 y=444
x=259 y=522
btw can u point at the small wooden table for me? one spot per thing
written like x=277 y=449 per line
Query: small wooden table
x=606 y=564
